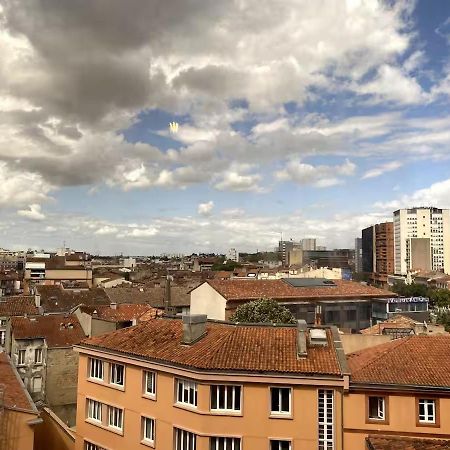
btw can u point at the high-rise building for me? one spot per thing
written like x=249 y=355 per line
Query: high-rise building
x=284 y=247
x=309 y=244
x=422 y=240
x=358 y=255
x=233 y=255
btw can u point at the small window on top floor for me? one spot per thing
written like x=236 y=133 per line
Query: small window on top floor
x=117 y=374
x=225 y=398
x=280 y=400
x=96 y=368
x=377 y=408
x=149 y=383
x=21 y=357
x=427 y=411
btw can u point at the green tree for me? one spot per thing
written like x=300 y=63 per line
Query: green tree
x=264 y=310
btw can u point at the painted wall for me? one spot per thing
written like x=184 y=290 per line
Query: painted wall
x=206 y=300
x=253 y=425
x=15 y=433
x=354 y=342
x=52 y=433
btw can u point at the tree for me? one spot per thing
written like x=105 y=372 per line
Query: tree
x=264 y=310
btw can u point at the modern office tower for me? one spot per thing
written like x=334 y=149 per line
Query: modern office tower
x=422 y=240
x=358 y=255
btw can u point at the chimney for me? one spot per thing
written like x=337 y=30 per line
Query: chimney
x=301 y=338
x=37 y=300
x=194 y=327
x=113 y=305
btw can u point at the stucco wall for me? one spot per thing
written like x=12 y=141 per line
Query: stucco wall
x=15 y=433
x=101 y=326
x=206 y=300
x=52 y=434
x=354 y=342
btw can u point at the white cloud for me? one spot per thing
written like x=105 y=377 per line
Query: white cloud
x=106 y=230
x=382 y=169
x=32 y=213
x=205 y=209
x=233 y=180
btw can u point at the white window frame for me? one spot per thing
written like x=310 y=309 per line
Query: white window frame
x=325 y=408
x=278 y=390
x=426 y=417
x=115 y=416
x=229 y=443
x=186 y=392
x=114 y=370
x=280 y=443
x=21 y=361
x=229 y=390
x=381 y=407
x=150 y=375
x=151 y=422
x=38 y=352
x=2 y=337
x=184 y=440
x=90 y=446
x=94 y=410
x=96 y=368
x=2 y=322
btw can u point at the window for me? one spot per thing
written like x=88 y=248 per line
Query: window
x=150 y=383
x=2 y=322
x=225 y=443
x=2 y=337
x=94 y=410
x=377 y=408
x=226 y=398
x=427 y=411
x=184 y=440
x=91 y=446
x=280 y=445
x=187 y=392
x=38 y=356
x=96 y=368
x=21 y=358
x=117 y=374
x=280 y=400
x=148 y=429
x=36 y=384
x=115 y=417
x=326 y=426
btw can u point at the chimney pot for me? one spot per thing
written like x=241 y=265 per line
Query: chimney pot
x=302 y=328
x=113 y=305
x=194 y=327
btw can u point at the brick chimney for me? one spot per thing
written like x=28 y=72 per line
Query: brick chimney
x=302 y=328
x=194 y=327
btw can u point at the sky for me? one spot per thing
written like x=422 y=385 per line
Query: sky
x=306 y=119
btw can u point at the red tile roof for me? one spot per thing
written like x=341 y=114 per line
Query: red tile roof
x=414 y=360
x=14 y=395
x=224 y=347
x=57 y=330
x=279 y=289
x=121 y=313
x=405 y=443
x=18 y=306
x=395 y=322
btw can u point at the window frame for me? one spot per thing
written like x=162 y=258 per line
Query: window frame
x=2 y=337
x=225 y=438
x=147 y=394
x=113 y=409
x=385 y=398
x=39 y=351
x=183 y=381
x=281 y=414
x=225 y=410
x=437 y=418
x=112 y=368
x=177 y=430
x=324 y=426
x=23 y=352
x=88 y=445
x=92 y=401
x=90 y=369
x=280 y=440
x=145 y=440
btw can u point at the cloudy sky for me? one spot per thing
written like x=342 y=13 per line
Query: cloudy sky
x=310 y=118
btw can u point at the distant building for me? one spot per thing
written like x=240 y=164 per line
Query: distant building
x=358 y=255
x=309 y=244
x=422 y=240
x=295 y=257
x=339 y=258
x=233 y=255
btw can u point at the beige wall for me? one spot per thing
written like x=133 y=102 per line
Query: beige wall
x=52 y=434
x=402 y=419
x=15 y=433
x=206 y=300
x=254 y=425
x=354 y=342
x=102 y=326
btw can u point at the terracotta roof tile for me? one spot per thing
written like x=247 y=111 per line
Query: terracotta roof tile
x=14 y=395
x=18 y=306
x=122 y=312
x=405 y=443
x=279 y=289
x=154 y=296
x=418 y=360
x=395 y=322
x=58 y=330
x=224 y=347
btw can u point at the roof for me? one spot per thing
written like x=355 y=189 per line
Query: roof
x=18 y=305
x=57 y=330
x=15 y=395
x=225 y=346
x=418 y=360
x=280 y=289
x=55 y=299
x=396 y=322
x=405 y=443
x=153 y=296
x=121 y=313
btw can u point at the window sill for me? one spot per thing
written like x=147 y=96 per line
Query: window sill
x=189 y=408
x=280 y=416
x=149 y=397
x=230 y=413
x=428 y=424
x=104 y=427
x=150 y=444
x=105 y=384
x=374 y=421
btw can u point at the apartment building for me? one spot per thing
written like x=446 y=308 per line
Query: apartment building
x=189 y=384
x=399 y=391
x=422 y=240
x=358 y=255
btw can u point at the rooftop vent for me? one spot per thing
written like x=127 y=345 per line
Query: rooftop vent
x=194 y=327
x=301 y=338
x=318 y=337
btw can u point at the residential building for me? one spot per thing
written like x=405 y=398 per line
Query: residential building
x=309 y=244
x=18 y=414
x=295 y=257
x=346 y=304
x=41 y=349
x=232 y=255
x=10 y=260
x=378 y=252
x=339 y=258
x=399 y=389
x=358 y=255
x=422 y=240
x=187 y=384
x=284 y=247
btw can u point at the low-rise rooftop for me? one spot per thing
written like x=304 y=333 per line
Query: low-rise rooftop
x=405 y=443
x=120 y=312
x=18 y=305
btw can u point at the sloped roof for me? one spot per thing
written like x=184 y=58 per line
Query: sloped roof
x=279 y=289
x=154 y=296
x=418 y=360
x=121 y=313
x=18 y=305
x=57 y=330
x=224 y=347
x=405 y=443
x=395 y=322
